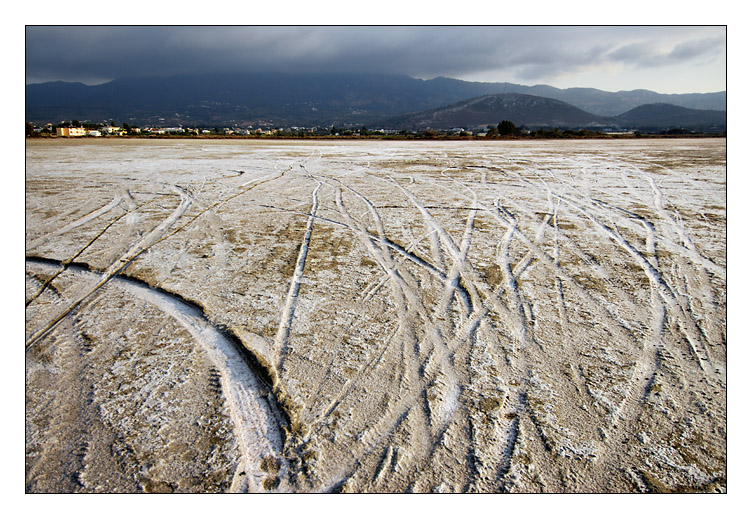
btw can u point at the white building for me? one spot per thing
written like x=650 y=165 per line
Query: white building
x=70 y=132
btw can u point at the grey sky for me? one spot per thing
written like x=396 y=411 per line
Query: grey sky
x=665 y=59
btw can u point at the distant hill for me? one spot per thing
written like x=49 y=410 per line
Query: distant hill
x=521 y=109
x=539 y=112
x=661 y=115
x=278 y=99
x=614 y=103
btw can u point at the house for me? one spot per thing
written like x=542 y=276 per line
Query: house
x=70 y=132
x=114 y=130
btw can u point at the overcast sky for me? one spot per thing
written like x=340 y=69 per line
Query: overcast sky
x=664 y=59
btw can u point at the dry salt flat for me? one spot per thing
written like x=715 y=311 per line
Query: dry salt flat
x=375 y=316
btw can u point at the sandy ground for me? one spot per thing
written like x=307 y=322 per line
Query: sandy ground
x=211 y=316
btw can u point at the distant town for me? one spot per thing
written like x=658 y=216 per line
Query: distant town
x=505 y=129
x=76 y=129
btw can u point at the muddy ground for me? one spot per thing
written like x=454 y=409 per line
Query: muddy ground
x=376 y=316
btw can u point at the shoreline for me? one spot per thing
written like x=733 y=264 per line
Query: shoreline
x=385 y=137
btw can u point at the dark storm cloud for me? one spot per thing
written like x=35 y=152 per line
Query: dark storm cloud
x=97 y=54
x=106 y=53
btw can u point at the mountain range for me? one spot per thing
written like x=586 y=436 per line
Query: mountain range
x=279 y=99
x=538 y=112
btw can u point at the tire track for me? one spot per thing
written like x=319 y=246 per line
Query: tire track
x=78 y=223
x=408 y=308
x=64 y=265
x=288 y=310
x=257 y=417
x=438 y=419
x=158 y=234
x=689 y=245
x=384 y=426
x=433 y=395
x=453 y=277
x=116 y=267
x=448 y=243
x=665 y=291
x=519 y=329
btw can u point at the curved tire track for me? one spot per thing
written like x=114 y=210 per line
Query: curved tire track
x=258 y=419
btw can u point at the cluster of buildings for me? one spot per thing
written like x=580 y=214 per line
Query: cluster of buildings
x=65 y=131
x=103 y=131
x=77 y=131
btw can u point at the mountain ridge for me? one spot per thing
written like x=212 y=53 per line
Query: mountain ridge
x=540 y=112
x=298 y=99
x=522 y=109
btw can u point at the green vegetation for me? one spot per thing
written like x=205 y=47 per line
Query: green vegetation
x=556 y=133
x=507 y=128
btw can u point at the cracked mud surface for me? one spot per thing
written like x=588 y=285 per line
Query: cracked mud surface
x=376 y=317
